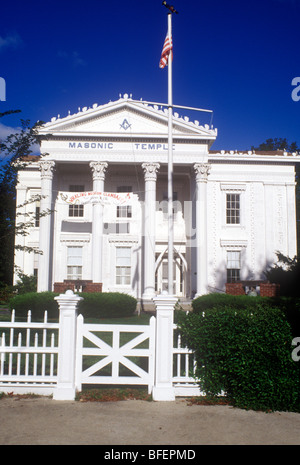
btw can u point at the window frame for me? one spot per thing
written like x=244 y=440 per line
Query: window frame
x=233 y=273
x=79 y=266
x=123 y=271
x=235 y=189
x=233 y=208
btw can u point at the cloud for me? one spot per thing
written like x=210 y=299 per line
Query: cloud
x=7 y=130
x=73 y=58
x=12 y=40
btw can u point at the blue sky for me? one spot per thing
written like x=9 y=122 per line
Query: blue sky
x=233 y=57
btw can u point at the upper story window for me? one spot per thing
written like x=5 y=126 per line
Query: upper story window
x=37 y=214
x=124 y=211
x=233 y=209
x=76 y=211
x=164 y=205
x=76 y=188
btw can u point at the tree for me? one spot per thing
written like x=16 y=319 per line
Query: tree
x=277 y=144
x=13 y=151
x=286 y=273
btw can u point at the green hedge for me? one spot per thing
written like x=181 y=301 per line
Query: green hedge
x=244 y=352
x=37 y=302
x=94 y=305
x=233 y=301
x=106 y=304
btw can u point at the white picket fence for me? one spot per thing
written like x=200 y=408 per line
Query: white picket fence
x=28 y=355
x=184 y=366
x=58 y=358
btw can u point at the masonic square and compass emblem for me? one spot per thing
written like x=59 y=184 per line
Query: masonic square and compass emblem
x=125 y=125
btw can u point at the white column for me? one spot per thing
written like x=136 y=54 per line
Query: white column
x=98 y=170
x=150 y=170
x=46 y=168
x=202 y=171
x=163 y=389
x=67 y=303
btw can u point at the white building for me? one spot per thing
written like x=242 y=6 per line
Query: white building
x=232 y=211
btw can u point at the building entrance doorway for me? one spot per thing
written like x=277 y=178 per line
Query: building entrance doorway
x=179 y=273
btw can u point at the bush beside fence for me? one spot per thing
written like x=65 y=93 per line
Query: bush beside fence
x=243 y=351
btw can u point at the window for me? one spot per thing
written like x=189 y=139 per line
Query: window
x=76 y=211
x=74 y=263
x=233 y=266
x=233 y=208
x=76 y=188
x=124 y=211
x=37 y=214
x=124 y=189
x=164 y=205
x=123 y=265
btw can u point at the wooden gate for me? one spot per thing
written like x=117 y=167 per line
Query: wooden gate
x=115 y=354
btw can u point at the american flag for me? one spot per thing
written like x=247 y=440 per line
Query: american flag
x=167 y=49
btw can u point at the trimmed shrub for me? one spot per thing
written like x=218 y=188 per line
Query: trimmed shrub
x=37 y=302
x=94 y=305
x=244 y=353
x=106 y=304
x=238 y=302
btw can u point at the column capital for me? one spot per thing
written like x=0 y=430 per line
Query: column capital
x=46 y=167
x=98 y=170
x=150 y=171
x=202 y=171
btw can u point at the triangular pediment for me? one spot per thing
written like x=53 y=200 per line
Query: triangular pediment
x=124 y=117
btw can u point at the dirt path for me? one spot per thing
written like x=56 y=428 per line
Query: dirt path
x=134 y=422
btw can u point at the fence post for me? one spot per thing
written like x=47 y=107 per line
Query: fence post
x=163 y=389
x=67 y=303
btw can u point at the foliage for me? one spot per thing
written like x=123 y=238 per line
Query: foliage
x=113 y=395
x=286 y=273
x=94 y=305
x=245 y=353
x=106 y=304
x=278 y=143
x=6 y=293
x=25 y=284
x=37 y=302
x=218 y=300
x=12 y=151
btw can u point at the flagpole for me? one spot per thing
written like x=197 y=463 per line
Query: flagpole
x=170 y=167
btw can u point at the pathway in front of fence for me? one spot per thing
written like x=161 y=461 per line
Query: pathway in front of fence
x=45 y=421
